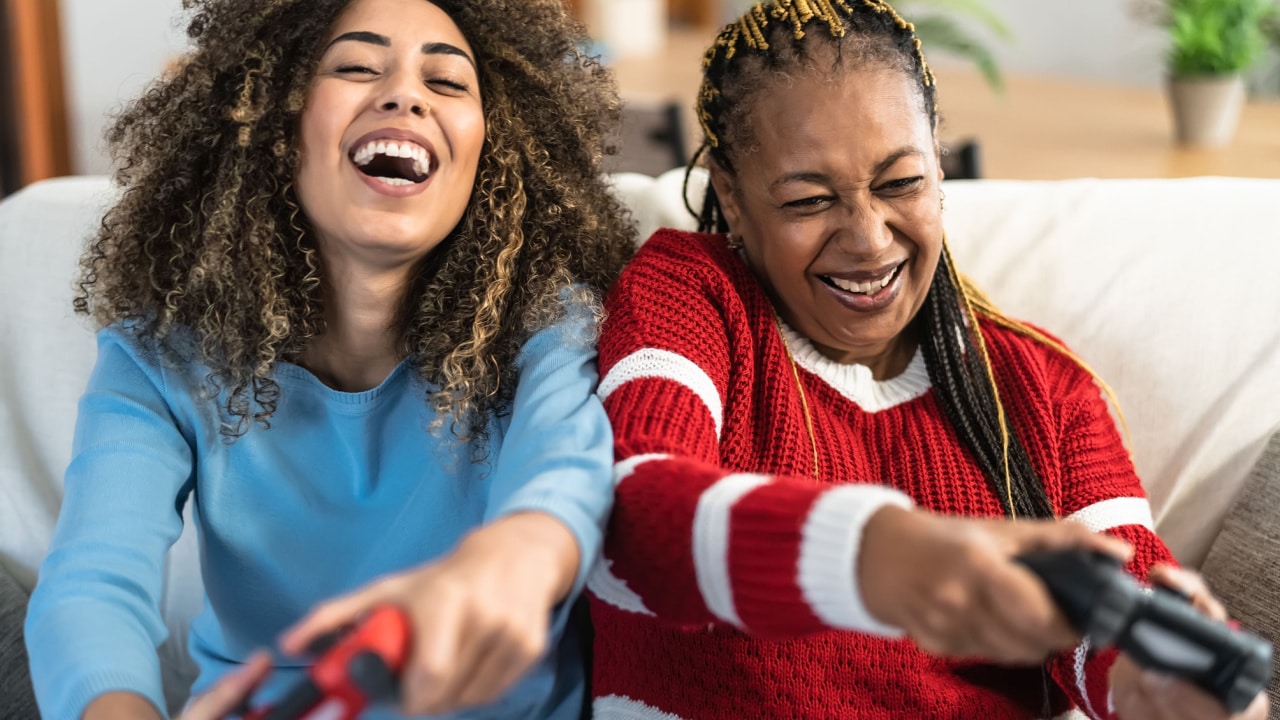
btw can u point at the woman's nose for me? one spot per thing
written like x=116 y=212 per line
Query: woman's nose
x=866 y=233
x=405 y=93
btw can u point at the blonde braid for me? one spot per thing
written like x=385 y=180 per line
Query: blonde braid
x=975 y=298
x=977 y=303
x=749 y=32
x=981 y=342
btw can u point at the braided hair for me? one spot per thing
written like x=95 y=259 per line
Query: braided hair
x=778 y=37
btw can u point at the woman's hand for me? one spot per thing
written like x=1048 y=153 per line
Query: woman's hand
x=231 y=692
x=480 y=615
x=952 y=583
x=1138 y=694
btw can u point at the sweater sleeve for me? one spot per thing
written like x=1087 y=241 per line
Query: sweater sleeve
x=1101 y=490
x=556 y=452
x=692 y=541
x=94 y=621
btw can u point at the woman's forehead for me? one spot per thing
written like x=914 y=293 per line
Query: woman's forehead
x=389 y=17
x=868 y=106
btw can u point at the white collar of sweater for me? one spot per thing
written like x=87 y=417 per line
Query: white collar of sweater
x=855 y=381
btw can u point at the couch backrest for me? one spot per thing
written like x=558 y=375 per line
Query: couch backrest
x=1165 y=287
x=46 y=353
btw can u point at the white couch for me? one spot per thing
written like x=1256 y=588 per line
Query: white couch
x=1166 y=287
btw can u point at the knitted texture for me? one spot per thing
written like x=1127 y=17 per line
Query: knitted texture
x=719 y=596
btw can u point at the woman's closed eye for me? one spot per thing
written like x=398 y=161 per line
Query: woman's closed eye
x=900 y=185
x=448 y=85
x=356 y=70
x=810 y=203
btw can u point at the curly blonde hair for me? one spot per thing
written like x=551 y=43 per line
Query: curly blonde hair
x=208 y=235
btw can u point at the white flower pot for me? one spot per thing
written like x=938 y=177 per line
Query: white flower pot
x=1206 y=108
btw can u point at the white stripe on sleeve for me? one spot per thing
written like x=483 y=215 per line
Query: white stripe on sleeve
x=621 y=707
x=602 y=583
x=711 y=542
x=831 y=536
x=1114 y=513
x=623 y=469
x=654 y=363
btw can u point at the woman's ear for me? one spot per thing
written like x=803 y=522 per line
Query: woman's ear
x=937 y=151
x=725 y=185
x=937 y=156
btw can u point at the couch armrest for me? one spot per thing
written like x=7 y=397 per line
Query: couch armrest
x=17 y=700
x=1243 y=565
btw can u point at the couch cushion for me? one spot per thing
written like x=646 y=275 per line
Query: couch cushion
x=46 y=353
x=1243 y=566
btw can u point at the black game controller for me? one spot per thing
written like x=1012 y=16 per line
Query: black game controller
x=1156 y=627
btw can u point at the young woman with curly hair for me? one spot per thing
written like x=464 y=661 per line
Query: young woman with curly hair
x=347 y=296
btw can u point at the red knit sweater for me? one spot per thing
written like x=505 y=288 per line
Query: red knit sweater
x=728 y=589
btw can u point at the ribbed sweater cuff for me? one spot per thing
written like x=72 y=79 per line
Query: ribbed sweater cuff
x=72 y=703
x=831 y=538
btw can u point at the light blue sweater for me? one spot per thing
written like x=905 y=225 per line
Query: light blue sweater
x=341 y=489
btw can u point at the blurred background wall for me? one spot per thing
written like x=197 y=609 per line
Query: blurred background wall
x=112 y=48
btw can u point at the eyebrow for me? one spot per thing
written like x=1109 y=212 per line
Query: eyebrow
x=819 y=177
x=431 y=48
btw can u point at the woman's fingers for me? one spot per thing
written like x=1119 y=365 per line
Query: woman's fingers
x=440 y=636
x=333 y=616
x=1192 y=585
x=1161 y=697
x=496 y=671
x=230 y=693
x=1024 y=610
x=1138 y=694
x=471 y=650
x=955 y=587
x=479 y=615
x=1042 y=535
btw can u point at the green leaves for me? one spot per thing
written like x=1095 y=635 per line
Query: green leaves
x=1217 y=37
x=944 y=35
x=940 y=27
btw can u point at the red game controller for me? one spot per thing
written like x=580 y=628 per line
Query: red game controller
x=356 y=668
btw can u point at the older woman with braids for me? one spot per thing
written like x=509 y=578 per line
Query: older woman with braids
x=348 y=298
x=806 y=394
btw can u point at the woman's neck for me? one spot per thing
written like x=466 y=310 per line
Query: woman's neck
x=358 y=349
x=885 y=362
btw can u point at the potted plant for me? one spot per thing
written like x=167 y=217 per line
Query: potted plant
x=1211 y=45
x=941 y=27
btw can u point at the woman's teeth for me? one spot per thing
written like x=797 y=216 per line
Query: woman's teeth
x=421 y=159
x=865 y=288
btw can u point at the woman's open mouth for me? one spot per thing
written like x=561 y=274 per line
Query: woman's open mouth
x=397 y=165
x=866 y=293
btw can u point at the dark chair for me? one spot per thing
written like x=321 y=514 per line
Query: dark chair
x=961 y=160
x=652 y=139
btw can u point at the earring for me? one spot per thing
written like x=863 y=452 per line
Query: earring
x=942 y=199
x=733 y=241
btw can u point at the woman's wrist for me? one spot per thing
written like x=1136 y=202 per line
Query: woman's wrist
x=122 y=706
x=542 y=545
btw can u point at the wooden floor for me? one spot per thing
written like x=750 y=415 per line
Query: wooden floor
x=1040 y=128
